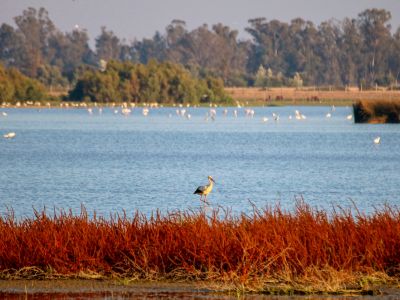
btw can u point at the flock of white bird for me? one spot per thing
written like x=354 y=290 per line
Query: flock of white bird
x=183 y=111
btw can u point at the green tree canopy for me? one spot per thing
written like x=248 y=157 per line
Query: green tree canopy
x=159 y=82
x=14 y=86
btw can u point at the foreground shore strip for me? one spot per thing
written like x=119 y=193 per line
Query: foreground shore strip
x=125 y=289
x=270 y=251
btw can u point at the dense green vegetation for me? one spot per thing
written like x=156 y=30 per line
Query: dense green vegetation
x=16 y=86
x=155 y=82
x=363 y=51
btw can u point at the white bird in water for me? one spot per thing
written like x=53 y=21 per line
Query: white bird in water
x=377 y=140
x=328 y=115
x=145 y=111
x=249 y=112
x=349 y=117
x=213 y=114
x=126 y=111
x=9 y=135
x=265 y=119
x=4 y=114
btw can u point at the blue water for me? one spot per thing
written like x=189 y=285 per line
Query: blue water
x=62 y=158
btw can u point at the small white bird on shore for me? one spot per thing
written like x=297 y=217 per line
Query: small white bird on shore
x=9 y=135
x=377 y=140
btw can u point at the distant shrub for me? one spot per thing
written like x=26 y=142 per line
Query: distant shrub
x=382 y=111
x=159 y=82
x=14 y=86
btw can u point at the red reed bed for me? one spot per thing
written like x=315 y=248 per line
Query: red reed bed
x=272 y=243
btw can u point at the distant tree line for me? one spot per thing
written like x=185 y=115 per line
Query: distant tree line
x=154 y=82
x=359 y=52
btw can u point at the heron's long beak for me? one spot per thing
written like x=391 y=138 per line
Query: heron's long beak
x=212 y=180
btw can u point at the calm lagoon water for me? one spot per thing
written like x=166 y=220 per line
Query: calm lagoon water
x=62 y=158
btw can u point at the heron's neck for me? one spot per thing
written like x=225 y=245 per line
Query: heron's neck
x=211 y=183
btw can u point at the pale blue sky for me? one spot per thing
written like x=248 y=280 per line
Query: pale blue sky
x=131 y=19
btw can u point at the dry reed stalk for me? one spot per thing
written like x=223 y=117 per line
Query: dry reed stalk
x=378 y=111
x=272 y=247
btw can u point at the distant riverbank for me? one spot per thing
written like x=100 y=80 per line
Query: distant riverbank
x=308 y=96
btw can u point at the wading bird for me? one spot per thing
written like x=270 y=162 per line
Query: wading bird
x=204 y=190
x=377 y=140
x=9 y=135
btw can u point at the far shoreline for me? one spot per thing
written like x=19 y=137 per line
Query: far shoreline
x=241 y=97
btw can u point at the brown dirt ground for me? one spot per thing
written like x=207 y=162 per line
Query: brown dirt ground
x=113 y=289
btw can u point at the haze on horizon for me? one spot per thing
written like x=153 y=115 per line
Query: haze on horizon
x=137 y=19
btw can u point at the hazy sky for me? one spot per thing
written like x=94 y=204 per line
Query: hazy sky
x=132 y=19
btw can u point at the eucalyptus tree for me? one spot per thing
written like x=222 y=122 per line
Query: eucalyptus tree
x=12 y=51
x=328 y=54
x=108 y=45
x=375 y=31
x=394 y=59
x=270 y=41
x=145 y=50
x=35 y=28
x=70 y=52
x=350 y=57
